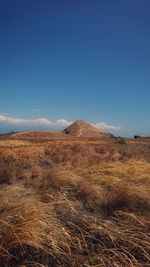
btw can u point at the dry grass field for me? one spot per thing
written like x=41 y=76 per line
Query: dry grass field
x=76 y=202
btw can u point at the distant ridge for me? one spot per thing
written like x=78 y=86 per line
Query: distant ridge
x=82 y=128
x=77 y=129
x=35 y=135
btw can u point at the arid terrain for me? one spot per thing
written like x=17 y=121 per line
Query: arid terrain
x=76 y=198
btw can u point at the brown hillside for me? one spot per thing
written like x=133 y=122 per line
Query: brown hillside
x=81 y=128
x=39 y=135
x=77 y=129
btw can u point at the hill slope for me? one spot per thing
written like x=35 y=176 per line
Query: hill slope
x=77 y=129
x=81 y=128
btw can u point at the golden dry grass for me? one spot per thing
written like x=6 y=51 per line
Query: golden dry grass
x=29 y=230
x=13 y=143
x=67 y=207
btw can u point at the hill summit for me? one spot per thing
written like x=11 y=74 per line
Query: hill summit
x=82 y=128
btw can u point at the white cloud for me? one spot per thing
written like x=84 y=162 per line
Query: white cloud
x=41 y=122
x=24 y=122
x=5 y=114
x=105 y=126
x=63 y=123
x=47 y=124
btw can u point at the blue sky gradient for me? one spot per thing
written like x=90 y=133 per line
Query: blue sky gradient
x=76 y=60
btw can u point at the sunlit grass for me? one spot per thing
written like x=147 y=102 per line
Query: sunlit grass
x=13 y=143
x=73 y=205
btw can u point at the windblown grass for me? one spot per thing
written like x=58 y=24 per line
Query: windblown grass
x=29 y=230
x=69 y=213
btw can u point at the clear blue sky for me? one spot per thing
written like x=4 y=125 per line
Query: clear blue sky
x=76 y=59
